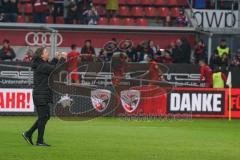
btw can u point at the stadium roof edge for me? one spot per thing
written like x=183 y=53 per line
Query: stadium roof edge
x=95 y=27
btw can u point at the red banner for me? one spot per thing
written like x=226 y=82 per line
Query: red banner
x=194 y=102
x=16 y=100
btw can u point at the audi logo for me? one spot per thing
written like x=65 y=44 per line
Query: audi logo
x=42 y=38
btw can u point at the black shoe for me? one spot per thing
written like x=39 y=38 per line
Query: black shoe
x=27 y=138
x=43 y=145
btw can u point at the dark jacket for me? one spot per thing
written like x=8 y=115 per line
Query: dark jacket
x=186 y=49
x=42 y=94
x=4 y=54
x=178 y=55
x=10 y=7
x=86 y=50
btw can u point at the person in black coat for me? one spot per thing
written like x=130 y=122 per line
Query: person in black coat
x=42 y=95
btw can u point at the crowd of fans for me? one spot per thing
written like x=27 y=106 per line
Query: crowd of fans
x=176 y=52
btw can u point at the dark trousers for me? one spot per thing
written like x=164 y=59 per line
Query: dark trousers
x=39 y=17
x=43 y=116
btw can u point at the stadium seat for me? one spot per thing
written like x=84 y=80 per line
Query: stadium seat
x=132 y=2
x=20 y=7
x=60 y=20
x=137 y=11
x=101 y=2
x=122 y=2
x=103 y=21
x=146 y=2
x=163 y=11
x=30 y=19
x=115 y=21
x=150 y=12
x=142 y=22
x=101 y=10
x=20 y=19
x=49 y=19
x=128 y=22
x=124 y=11
x=173 y=2
x=175 y=12
x=160 y=2
x=182 y=3
x=28 y=8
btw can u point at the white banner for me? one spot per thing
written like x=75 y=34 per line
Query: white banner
x=216 y=18
x=16 y=100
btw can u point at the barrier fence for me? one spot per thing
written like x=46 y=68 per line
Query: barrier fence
x=16 y=81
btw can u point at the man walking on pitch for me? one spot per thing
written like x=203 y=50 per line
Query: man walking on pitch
x=42 y=95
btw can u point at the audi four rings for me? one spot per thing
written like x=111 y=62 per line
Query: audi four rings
x=42 y=39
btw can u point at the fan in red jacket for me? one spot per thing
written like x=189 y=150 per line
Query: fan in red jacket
x=206 y=74
x=40 y=10
x=154 y=71
x=73 y=59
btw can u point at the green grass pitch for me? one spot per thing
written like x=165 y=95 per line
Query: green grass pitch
x=118 y=139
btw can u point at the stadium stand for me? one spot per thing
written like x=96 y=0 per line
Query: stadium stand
x=151 y=10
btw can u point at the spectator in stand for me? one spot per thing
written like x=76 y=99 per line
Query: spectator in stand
x=40 y=10
x=200 y=51
x=215 y=60
x=171 y=47
x=7 y=52
x=28 y=56
x=153 y=47
x=206 y=74
x=166 y=58
x=219 y=78
x=132 y=54
x=225 y=60
x=3 y=17
x=177 y=52
x=90 y=16
x=186 y=49
x=112 y=8
x=88 y=48
x=10 y=9
x=58 y=9
x=223 y=48
x=65 y=10
x=82 y=6
x=73 y=59
x=236 y=59
x=103 y=56
x=145 y=49
x=168 y=21
x=181 y=19
x=200 y=4
x=72 y=15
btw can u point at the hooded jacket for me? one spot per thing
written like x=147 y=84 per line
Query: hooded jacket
x=42 y=94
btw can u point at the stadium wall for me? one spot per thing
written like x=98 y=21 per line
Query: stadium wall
x=25 y=36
